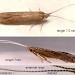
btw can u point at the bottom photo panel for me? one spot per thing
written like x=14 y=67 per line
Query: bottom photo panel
x=37 y=55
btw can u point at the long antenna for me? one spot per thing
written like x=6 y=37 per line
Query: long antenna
x=61 y=8
x=61 y=18
x=12 y=42
x=38 y=70
x=64 y=67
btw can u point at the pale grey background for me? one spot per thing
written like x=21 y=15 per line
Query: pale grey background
x=33 y=73
x=10 y=51
x=54 y=43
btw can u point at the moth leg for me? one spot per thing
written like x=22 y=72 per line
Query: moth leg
x=45 y=58
x=38 y=56
x=41 y=57
x=41 y=27
x=32 y=26
x=30 y=10
x=39 y=10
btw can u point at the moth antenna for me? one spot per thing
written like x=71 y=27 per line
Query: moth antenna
x=64 y=67
x=33 y=71
x=61 y=8
x=62 y=18
x=49 y=14
x=12 y=42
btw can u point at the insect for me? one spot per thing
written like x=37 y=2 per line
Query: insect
x=46 y=53
x=23 y=18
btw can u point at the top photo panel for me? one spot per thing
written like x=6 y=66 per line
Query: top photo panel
x=37 y=17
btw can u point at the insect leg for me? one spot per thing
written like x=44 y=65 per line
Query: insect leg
x=30 y=10
x=39 y=10
x=32 y=26
x=41 y=26
x=38 y=56
x=44 y=58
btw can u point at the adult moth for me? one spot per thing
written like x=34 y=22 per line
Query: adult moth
x=45 y=53
x=27 y=18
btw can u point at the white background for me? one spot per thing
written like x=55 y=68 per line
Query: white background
x=50 y=28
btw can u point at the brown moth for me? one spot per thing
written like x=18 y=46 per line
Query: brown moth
x=24 y=18
x=46 y=53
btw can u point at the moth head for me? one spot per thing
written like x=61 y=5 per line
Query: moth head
x=31 y=49
x=46 y=15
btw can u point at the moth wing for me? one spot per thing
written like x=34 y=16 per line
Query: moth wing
x=7 y=15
